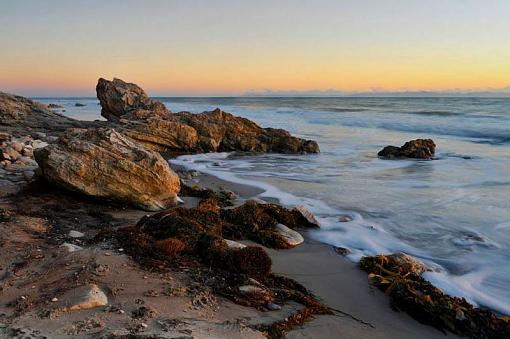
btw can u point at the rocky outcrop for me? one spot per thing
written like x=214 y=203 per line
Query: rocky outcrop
x=118 y=98
x=149 y=122
x=22 y=116
x=418 y=149
x=220 y=131
x=103 y=163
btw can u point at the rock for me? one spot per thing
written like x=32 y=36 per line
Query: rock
x=71 y=247
x=54 y=106
x=292 y=237
x=84 y=297
x=79 y=104
x=103 y=163
x=76 y=234
x=220 y=131
x=149 y=122
x=118 y=98
x=10 y=153
x=24 y=116
x=418 y=149
x=17 y=146
x=307 y=215
x=160 y=134
x=234 y=244
x=251 y=289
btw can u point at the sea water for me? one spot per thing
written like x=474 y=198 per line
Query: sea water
x=452 y=212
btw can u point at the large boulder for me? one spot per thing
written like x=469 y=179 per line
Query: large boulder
x=103 y=163
x=149 y=122
x=418 y=149
x=118 y=98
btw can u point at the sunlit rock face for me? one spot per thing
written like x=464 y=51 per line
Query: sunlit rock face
x=149 y=122
x=104 y=163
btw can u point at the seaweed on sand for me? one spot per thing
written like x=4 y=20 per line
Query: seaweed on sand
x=195 y=236
x=399 y=276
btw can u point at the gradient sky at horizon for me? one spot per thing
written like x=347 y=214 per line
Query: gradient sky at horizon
x=61 y=47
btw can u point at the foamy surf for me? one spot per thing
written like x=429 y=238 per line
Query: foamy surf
x=362 y=237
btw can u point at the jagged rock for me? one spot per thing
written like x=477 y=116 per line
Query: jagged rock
x=22 y=115
x=418 y=148
x=103 y=163
x=149 y=122
x=84 y=297
x=220 y=131
x=291 y=237
x=118 y=98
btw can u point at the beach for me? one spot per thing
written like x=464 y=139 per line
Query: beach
x=154 y=223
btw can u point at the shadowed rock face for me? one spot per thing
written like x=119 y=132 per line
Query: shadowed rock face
x=103 y=163
x=19 y=115
x=419 y=149
x=149 y=122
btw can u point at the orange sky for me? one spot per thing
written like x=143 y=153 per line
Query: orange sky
x=197 y=48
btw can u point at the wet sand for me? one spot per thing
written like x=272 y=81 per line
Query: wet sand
x=338 y=283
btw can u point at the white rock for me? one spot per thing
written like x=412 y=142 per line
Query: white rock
x=307 y=215
x=76 y=234
x=234 y=244
x=39 y=144
x=71 y=247
x=291 y=237
x=84 y=297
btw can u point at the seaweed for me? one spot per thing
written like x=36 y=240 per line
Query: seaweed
x=400 y=278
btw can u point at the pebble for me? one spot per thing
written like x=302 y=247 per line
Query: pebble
x=76 y=234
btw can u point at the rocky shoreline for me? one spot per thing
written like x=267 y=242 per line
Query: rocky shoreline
x=77 y=237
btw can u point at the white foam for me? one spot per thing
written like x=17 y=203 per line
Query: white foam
x=362 y=237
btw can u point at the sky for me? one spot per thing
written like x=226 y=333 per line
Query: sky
x=202 y=48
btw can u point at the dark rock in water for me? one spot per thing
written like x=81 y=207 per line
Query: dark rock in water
x=149 y=122
x=54 y=106
x=399 y=276
x=418 y=149
x=78 y=104
x=103 y=163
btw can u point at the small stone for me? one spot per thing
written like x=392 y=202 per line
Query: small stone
x=234 y=244
x=345 y=218
x=307 y=215
x=290 y=236
x=71 y=247
x=76 y=234
x=85 y=297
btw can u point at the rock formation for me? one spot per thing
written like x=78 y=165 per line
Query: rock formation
x=418 y=149
x=149 y=122
x=22 y=116
x=103 y=163
x=118 y=98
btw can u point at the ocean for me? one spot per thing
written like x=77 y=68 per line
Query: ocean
x=452 y=212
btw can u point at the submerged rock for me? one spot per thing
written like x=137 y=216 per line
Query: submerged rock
x=418 y=149
x=105 y=164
